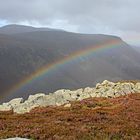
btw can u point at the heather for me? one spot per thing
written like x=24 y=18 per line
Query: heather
x=89 y=119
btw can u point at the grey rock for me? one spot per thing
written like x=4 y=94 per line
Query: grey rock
x=35 y=97
x=137 y=87
x=64 y=97
x=5 y=107
x=67 y=105
x=16 y=101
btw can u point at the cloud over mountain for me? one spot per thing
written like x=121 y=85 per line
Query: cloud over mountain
x=91 y=16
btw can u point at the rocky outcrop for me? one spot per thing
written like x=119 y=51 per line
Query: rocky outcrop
x=64 y=97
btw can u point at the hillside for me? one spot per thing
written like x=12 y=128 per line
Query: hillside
x=137 y=48
x=93 y=118
x=26 y=49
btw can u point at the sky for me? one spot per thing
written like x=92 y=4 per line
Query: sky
x=113 y=17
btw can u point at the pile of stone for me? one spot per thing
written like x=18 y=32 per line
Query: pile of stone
x=64 y=97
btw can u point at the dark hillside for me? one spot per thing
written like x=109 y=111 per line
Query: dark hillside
x=23 y=53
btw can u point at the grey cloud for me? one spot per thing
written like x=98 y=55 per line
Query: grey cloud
x=88 y=16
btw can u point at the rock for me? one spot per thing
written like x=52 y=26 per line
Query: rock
x=106 y=82
x=126 y=88
x=137 y=87
x=67 y=105
x=16 y=102
x=61 y=91
x=99 y=94
x=5 y=107
x=98 y=85
x=110 y=93
x=75 y=95
x=11 y=104
x=22 y=108
x=36 y=96
x=64 y=97
x=42 y=101
x=49 y=100
x=90 y=91
x=92 y=94
x=83 y=96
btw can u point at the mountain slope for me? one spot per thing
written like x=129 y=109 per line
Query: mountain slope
x=23 y=53
x=136 y=48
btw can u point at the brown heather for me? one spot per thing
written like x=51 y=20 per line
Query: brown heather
x=90 y=119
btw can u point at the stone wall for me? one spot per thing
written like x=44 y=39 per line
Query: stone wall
x=105 y=89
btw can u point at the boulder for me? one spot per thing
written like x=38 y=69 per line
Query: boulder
x=90 y=91
x=22 y=108
x=36 y=100
x=62 y=96
x=126 y=88
x=98 y=85
x=59 y=99
x=110 y=93
x=5 y=108
x=67 y=105
x=16 y=102
x=49 y=100
x=42 y=101
x=107 y=83
x=137 y=87
x=83 y=96
x=75 y=94
x=36 y=96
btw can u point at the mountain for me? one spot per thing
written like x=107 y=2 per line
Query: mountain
x=14 y=29
x=137 y=48
x=24 y=49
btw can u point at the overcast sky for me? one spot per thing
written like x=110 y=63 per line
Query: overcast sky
x=117 y=17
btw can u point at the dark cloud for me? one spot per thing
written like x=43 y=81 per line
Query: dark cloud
x=89 y=16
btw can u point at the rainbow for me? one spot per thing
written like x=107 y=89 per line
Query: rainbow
x=45 y=70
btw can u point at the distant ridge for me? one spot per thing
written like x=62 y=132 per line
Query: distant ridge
x=15 y=28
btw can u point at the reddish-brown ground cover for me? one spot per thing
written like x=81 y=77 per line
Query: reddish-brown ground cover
x=90 y=119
